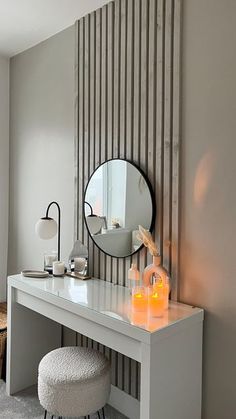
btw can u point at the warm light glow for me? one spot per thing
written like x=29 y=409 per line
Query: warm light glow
x=164 y=288
x=139 y=299
x=203 y=178
x=156 y=302
x=138 y=318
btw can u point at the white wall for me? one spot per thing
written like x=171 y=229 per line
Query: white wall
x=4 y=170
x=41 y=147
x=208 y=178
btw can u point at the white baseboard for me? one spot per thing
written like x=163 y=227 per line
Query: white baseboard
x=125 y=404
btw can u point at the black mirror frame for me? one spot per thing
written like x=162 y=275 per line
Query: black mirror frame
x=152 y=200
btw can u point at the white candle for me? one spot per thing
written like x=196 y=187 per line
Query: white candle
x=58 y=268
x=79 y=264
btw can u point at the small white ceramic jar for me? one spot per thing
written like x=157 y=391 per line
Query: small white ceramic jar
x=58 y=268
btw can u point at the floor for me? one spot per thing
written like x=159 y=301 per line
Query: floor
x=25 y=405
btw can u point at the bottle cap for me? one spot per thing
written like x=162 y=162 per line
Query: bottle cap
x=133 y=272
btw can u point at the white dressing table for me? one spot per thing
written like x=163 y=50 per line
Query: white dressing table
x=169 y=349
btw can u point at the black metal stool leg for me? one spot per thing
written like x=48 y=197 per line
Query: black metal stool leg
x=99 y=417
x=45 y=414
x=103 y=413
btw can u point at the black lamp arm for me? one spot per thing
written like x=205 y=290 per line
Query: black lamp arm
x=59 y=226
x=91 y=209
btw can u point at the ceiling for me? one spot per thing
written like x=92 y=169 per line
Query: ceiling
x=25 y=23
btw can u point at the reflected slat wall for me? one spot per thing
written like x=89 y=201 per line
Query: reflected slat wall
x=127 y=105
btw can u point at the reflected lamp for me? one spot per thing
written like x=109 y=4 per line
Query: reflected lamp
x=94 y=222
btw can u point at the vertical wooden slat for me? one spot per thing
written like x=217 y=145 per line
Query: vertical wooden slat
x=103 y=89
x=76 y=132
x=98 y=91
x=116 y=106
x=92 y=78
x=92 y=81
x=136 y=91
x=97 y=115
x=129 y=126
x=110 y=78
x=79 y=339
x=136 y=136
x=86 y=112
x=104 y=85
x=110 y=101
x=136 y=79
x=129 y=79
x=120 y=358
x=116 y=133
x=127 y=105
x=69 y=337
x=116 y=137
x=122 y=71
x=151 y=88
x=175 y=151
x=167 y=157
x=81 y=124
x=122 y=119
x=144 y=66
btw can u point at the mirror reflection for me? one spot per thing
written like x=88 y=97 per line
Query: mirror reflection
x=118 y=199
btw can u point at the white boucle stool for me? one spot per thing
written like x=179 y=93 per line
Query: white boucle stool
x=74 y=382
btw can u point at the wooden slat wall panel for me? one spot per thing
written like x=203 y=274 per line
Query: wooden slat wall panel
x=127 y=105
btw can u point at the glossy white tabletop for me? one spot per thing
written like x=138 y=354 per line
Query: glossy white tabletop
x=106 y=298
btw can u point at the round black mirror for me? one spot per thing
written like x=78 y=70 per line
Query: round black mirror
x=118 y=198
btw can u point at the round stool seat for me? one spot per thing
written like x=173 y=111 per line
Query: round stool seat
x=73 y=381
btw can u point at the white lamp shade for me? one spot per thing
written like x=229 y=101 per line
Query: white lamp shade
x=94 y=224
x=46 y=228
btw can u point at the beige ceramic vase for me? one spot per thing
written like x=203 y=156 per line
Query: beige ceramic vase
x=157 y=276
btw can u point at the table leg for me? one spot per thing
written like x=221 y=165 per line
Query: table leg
x=29 y=337
x=171 y=375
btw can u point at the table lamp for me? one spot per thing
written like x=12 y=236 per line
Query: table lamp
x=46 y=227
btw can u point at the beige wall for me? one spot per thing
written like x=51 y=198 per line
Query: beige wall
x=41 y=147
x=208 y=184
x=4 y=171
